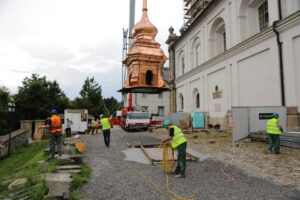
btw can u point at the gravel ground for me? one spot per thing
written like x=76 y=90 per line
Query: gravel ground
x=111 y=179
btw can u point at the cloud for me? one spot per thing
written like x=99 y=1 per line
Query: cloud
x=70 y=40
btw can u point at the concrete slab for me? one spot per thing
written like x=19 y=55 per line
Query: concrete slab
x=70 y=171
x=69 y=167
x=58 y=177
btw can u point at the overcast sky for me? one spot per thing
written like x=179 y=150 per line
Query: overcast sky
x=69 y=40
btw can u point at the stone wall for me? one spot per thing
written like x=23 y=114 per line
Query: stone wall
x=18 y=139
x=293 y=122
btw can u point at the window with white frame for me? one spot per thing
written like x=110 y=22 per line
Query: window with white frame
x=263 y=14
x=144 y=108
x=182 y=66
x=253 y=17
x=197 y=55
x=181 y=102
x=161 y=110
x=224 y=40
x=198 y=100
x=217 y=37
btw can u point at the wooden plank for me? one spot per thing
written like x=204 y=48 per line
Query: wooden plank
x=147 y=155
x=192 y=157
x=147 y=146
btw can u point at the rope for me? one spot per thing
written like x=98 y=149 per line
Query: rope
x=168 y=165
x=145 y=178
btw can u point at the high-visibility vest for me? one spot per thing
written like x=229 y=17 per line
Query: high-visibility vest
x=178 y=137
x=55 y=124
x=272 y=127
x=105 y=124
x=94 y=123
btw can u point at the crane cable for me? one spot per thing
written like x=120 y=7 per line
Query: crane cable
x=147 y=179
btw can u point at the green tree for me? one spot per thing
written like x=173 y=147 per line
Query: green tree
x=37 y=96
x=4 y=98
x=91 y=98
x=113 y=105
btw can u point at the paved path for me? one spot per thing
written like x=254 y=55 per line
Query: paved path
x=111 y=179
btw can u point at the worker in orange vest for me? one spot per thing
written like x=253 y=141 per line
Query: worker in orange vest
x=55 y=133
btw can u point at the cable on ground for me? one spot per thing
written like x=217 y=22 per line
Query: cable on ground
x=147 y=179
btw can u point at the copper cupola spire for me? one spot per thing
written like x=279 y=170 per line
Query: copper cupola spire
x=145 y=59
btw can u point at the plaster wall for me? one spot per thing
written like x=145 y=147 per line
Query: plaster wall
x=248 y=76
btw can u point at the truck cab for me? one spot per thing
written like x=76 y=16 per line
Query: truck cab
x=137 y=120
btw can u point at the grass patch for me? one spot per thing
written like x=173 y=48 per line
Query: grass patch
x=78 y=180
x=24 y=163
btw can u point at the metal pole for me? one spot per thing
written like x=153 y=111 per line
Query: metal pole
x=131 y=20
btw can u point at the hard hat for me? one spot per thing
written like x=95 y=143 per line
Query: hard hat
x=166 y=123
x=275 y=115
x=53 y=111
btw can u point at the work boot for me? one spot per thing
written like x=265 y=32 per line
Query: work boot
x=270 y=149
x=180 y=176
x=175 y=172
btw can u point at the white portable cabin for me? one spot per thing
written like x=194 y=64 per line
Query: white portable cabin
x=79 y=117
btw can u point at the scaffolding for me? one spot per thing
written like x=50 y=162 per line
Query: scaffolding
x=124 y=52
x=192 y=9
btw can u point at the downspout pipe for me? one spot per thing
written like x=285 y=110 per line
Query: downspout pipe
x=279 y=43
x=173 y=76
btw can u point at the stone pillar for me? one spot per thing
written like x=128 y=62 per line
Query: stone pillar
x=171 y=40
x=27 y=124
x=38 y=133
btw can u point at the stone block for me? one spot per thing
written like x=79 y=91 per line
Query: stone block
x=69 y=167
x=19 y=183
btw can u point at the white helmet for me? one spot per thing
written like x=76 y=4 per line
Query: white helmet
x=101 y=116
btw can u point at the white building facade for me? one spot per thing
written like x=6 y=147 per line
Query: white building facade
x=230 y=56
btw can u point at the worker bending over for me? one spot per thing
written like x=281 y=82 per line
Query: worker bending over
x=106 y=129
x=178 y=141
x=275 y=130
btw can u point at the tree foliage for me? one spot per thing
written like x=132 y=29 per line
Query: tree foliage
x=37 y=96
x=91 y=98
x=4 y=98
x=113 y=105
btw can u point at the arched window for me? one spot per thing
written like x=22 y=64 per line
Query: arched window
x=181 y=102
x=197 y=55
x=181 y=64
x=253 y=17
x=149 y=77
x=217 y=37
x=196 y=99
x=195 y=52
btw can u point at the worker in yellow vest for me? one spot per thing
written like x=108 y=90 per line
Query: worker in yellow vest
x=106 y=129
x=94 y=124
x=178 y=141
x=275 y=130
